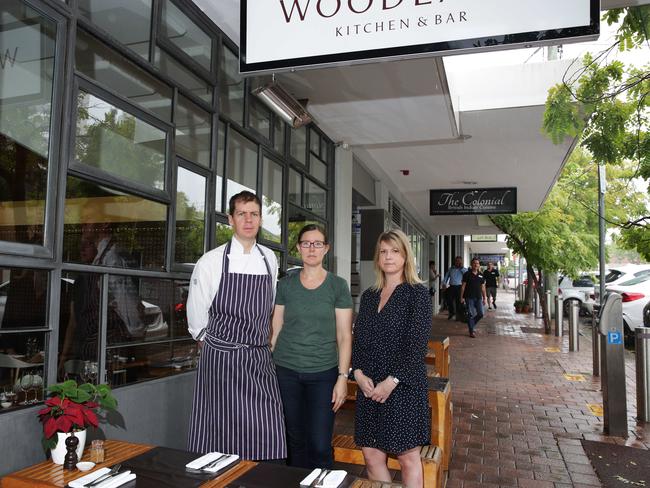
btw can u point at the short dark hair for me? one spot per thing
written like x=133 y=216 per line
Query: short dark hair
x=242 y=197
x=477 y=260
x=309 y=228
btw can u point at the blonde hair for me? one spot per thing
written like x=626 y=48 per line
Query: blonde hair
x=398 y=239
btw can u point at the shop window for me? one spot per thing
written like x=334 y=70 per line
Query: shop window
x=231 y=86
x=113 y=140
x=297 y=220
x=97 y=61
x=221 y=153
x=259 y=118
x=193 y=132
x=315 y=199
x=126 y=231
x=22 y=372
x=314 y=142
x=318 y=169
x=128 y=21
x=278 y=134
x=224 y=233
x=298 y=148
x=182 y=76
x=242 y=165
x=190 y=216
x=28 y=42
x=295 y=187
x=79 y=318
x=183 y=33
x=272 y=174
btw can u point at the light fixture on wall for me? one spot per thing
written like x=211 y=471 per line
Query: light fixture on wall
x=282 y=103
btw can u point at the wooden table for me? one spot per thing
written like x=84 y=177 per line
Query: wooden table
x=50 y=475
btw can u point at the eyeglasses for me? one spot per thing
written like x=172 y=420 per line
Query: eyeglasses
x=314 y=244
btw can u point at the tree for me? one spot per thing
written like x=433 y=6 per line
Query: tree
x=606 y=104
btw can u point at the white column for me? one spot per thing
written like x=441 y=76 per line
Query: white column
x=342 y=224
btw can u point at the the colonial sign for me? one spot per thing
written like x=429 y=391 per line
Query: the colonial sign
x=484 y=238
x=473 y=202
x=281 y=34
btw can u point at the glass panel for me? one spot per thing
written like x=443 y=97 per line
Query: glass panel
x=99 y=62
x=115 y=141
x=193 y=133
x=314 y=142
x=318 y=169
x=22 y=374
x=295 y=187
x=127 y=231
x=297 y=220
x=272 y=201
x=315 y=199
x=23 y=298
x=231 y=86
x=79 y=312
x=224 y=233
x=132 y=364
x=221 y=152
x=186 y=35
x=299 y=144
x=278 y=134
x=181 y=75
x=128 y=21
x=190 y=216
x=259 y=118
x=27 y=45
x=242 y=165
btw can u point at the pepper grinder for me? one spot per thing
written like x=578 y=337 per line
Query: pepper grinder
x=70 y=460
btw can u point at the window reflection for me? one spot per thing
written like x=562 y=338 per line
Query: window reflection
x=224 y=233
x=183 y=76
x=295 y=187
x=127 y=231
x=272 y=201
x=190 y=216
x=22 y=369
x=318 y=169
x=113 y=140
x=297 y=220
x=27 y=45
x=242 y=165
x=221 y=151
x=298 y=148
x=259 y=118
x=186 y=35
x=315 y=199
x=193 y=131
x=231 y=86
x=128 y=21
x=278 y=134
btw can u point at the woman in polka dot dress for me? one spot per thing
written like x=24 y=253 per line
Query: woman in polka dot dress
x=390 y=343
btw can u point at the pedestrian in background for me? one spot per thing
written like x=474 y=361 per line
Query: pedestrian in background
x=473 y=295
x=454 y=281
x=491 y=275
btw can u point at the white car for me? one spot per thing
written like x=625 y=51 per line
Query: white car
x=618 y=274
x=635 y=294
x=580 y=290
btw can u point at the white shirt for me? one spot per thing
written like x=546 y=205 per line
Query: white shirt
x=206 y=278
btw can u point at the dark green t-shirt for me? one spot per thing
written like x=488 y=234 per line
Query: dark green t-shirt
x=307 y=341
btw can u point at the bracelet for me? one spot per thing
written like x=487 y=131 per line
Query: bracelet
x=343 y=374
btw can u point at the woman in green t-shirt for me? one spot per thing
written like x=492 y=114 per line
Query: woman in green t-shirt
x=312 y=345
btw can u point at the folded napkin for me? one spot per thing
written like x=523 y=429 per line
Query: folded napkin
x=332 y=480
x=208 y=458
x=113 y=482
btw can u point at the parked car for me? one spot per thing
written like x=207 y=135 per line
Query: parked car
x=618 y=274
x=580 y=290
x=634 y=294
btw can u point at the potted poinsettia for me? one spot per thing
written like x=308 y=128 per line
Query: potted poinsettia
x=71 y=409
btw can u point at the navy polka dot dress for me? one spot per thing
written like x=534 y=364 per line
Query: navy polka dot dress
x=393 y=342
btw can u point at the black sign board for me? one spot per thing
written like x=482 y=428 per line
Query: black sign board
x=473 y=202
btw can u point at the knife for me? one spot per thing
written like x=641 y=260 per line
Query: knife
x=214 y=462
x=114 y=470
x=319 y=479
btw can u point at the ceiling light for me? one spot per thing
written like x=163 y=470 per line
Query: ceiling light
x=282 y=103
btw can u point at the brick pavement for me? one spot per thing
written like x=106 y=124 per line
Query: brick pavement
x=517 y=420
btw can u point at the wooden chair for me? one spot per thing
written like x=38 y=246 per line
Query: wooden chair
x=346 y=451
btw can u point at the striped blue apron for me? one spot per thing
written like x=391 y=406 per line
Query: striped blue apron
x=236 y=407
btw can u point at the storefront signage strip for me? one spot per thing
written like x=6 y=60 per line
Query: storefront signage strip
x=473 y=202
x=283 y=34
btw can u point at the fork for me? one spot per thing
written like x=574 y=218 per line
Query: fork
x=319 y=479
x=213 y=463
x=114 y=470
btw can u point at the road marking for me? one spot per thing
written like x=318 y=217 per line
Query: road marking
x=574 y=377
x=552 y=349
x=596 y=409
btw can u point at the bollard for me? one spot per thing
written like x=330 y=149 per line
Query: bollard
x=595 y=343
x=536 y=306
x=559 y=316
x=522 y=292
x=574 y=317
x=549 y=305
x=642 y=345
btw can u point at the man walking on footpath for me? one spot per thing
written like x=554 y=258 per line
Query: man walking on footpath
x=473 y=295
x=491 y=275
x=454 y=280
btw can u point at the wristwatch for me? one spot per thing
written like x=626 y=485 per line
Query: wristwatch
x=395 y=380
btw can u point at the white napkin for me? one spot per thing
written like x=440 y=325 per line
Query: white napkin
x=209 y=457
x=112 y=482
x=332 y=480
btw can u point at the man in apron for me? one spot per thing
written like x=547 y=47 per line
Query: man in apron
x=236 y=407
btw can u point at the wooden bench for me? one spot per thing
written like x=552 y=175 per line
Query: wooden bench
x=438 y=355
x=346 y=451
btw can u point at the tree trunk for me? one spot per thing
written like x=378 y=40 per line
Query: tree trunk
x=541 y=296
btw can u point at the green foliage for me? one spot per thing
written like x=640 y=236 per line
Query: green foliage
x=74 y=392
x=634 y=29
